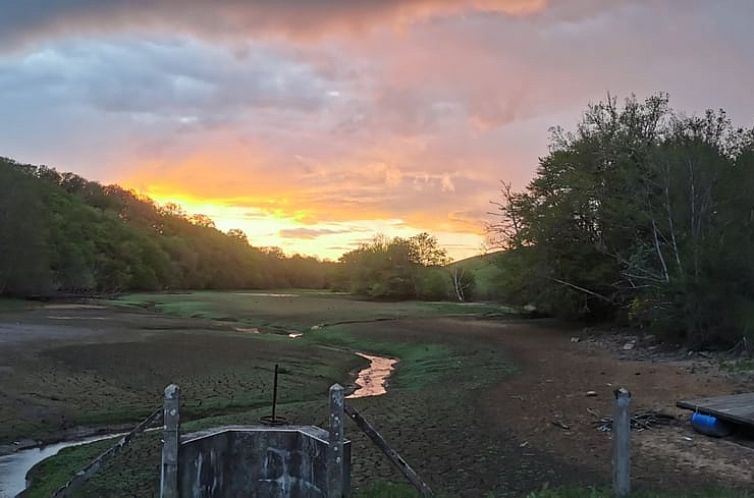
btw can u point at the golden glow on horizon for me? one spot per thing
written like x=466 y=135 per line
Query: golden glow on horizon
x=289 y=230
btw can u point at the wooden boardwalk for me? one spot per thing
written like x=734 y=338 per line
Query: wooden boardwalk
x=737 y=408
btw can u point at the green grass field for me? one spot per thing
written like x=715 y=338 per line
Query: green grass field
x=296 y=309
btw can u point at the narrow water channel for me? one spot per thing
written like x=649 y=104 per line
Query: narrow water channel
x=15 y=466
x=372 y=380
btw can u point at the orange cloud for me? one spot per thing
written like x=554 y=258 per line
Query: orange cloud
x=314 y=208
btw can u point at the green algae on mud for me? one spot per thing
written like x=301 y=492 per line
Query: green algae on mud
x=411 y=415
x=421 y=363
x=297 y=309
x=424 y=364
x=436 y=413
x=113 y=372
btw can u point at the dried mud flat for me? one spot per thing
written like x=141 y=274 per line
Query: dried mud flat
x=488 y=431
x=536 y=428
x=549 y=407
x=59 y=377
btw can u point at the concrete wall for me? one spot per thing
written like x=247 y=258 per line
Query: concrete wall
x=258 y=461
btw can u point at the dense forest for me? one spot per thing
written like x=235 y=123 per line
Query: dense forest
x=60 y=233
x=642 y=215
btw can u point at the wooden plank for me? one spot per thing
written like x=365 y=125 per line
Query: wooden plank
x=736 y=408
x=335 y=463
x=393 y=456
x=171 y=441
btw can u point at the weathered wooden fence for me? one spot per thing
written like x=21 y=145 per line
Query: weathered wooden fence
x=95 y=465
x=336 y=478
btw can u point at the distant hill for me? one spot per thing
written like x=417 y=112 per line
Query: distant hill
x=477 y=261
x=487 y=274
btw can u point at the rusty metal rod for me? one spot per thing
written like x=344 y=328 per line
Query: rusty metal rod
x=275 y=394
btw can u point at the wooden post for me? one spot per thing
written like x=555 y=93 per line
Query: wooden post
x=335 y=463
x=622 y=444
x=170 y=442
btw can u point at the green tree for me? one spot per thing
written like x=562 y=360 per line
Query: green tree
x=641 y=214
x=395 y=268
x=424 y=250
x=62 y=233
x=24 y=256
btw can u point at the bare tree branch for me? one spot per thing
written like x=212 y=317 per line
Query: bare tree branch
x=659 y=251
x=582 y=289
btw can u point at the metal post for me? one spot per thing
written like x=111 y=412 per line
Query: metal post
x=170 y=442
x=622 y=444
x=335 y=474
x=275 y=394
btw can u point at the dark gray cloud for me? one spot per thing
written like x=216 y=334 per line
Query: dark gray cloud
x=23 y=21
x=95 y=100
x=28 y=20
x=176 y=78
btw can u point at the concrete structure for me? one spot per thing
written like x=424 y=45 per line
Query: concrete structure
x=258 y=461
x=255 y=461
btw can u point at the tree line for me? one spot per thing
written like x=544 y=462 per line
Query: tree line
x=60 y=233
x=642 y=215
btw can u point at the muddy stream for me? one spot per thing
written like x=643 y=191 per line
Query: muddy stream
x=372 y=380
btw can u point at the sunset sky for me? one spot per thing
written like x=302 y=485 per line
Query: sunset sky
x=314 y=124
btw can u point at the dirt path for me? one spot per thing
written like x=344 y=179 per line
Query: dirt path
x=547 y=406
x=536 y=427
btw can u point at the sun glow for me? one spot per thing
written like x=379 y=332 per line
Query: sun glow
x=294 y=234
